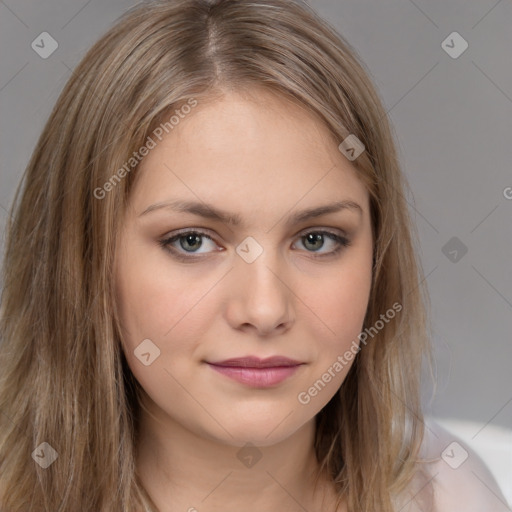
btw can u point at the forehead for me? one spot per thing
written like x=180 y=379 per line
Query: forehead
x=252 y=148
x=239 y=123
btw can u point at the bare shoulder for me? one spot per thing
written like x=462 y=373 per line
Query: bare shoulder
x=457 y=477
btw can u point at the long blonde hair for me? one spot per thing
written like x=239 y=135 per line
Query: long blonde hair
x=63 y=376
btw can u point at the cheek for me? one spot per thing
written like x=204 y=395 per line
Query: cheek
x=153 y=306
x=151 y=301
x=342 y=302
x=340 y=312
x=162 y=304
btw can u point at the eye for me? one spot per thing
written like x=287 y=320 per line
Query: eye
x=315 y=240
x=189 y=242
x=185 y=244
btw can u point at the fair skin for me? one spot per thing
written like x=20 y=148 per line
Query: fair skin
x=264 y=159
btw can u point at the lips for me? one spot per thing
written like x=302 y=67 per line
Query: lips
x=255 y=372
x=255 y=362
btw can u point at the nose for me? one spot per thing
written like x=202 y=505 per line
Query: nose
x=260 y=299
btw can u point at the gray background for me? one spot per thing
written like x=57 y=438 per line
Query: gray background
x=453 y=122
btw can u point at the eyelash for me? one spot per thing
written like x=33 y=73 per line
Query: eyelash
x=165 y=243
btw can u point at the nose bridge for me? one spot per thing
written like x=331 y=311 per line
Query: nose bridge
x=261 y=290
x=260 y=262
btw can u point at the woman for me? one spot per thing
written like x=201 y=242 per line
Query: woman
x=212 y=299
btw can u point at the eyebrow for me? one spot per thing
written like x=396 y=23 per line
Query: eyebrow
x=210 y=212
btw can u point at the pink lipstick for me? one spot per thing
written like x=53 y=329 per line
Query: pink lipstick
x=255 y=372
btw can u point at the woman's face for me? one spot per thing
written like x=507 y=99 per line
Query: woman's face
x=194 y=289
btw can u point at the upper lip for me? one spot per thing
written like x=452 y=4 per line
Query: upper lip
x=256 y=362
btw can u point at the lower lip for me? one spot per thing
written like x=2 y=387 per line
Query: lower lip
x=257 y=377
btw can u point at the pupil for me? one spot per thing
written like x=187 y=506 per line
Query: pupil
x=314 y=237
x=190 y=240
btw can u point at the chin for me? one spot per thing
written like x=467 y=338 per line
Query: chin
x=259 y=430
